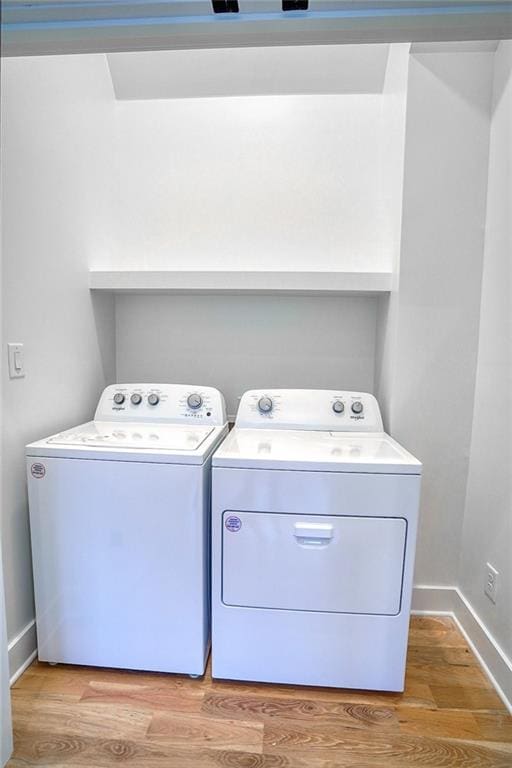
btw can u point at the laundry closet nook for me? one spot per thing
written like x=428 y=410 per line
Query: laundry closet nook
x=285 y=217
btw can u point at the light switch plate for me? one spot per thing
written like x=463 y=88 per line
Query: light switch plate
x=16 y=360
x=491 y=582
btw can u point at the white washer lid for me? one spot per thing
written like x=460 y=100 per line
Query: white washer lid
x=315 y=451
x=143 y=436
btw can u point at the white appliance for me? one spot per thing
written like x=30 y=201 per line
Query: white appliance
x=314 y=516
x=5 y=702
x=120 y=525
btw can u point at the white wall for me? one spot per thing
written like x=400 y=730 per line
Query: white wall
x=279 y=70
x=54 y=155
x=6 y=739
x=393 y=152
x=487 y=534
x=237 y=343
x=428 y=397
x=261 y=182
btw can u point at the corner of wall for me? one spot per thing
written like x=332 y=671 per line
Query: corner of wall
x=22 y=651
x=392 y=178
x=104 y=311
x=486 y=534
x=450 y=601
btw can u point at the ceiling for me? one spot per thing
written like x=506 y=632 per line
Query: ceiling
x=32 y=27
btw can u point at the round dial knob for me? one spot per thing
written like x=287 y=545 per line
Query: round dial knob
x=119 y=398
x=265 y=404
x=357 y=407
x=153 y=399
x=136 y=398
x=194 y=401
x=338 y=406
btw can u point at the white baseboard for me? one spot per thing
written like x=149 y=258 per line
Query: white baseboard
x=427 y=600
x=22 y=650
x=449 y=601
x=495 y=662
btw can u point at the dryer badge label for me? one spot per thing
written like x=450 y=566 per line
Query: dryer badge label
x=233 y=524
x=38 y=470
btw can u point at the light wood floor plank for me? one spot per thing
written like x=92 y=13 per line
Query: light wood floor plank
x=415 y=694
x=466 y=697
x=438 y=654
x=356 y=715
x=447 y=675
x=192 y=730
x=445 y=723
x=51 y=714
x=436 y=637
x=147 y=697
x=395 y=749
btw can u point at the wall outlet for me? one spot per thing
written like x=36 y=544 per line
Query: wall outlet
x=491 y=582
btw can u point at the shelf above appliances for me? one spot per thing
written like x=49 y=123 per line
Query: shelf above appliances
x=239 y=281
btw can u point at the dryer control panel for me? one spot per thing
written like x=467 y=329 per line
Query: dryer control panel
x=167 y=403
x=311 y=409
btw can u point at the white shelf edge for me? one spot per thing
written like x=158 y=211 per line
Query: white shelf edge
x=239 y=281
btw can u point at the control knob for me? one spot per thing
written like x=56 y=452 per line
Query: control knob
x=194 y=401
x=153 y=399
x=136 y=398
x=119 y=398
x=265 y=404
x=338 y=406
x=357 y=407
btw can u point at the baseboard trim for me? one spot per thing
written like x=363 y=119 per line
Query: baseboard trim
x=496 y=664
x=449 y=601
x=22 y=650
x=432 y=600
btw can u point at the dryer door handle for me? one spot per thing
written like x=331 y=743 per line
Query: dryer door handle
x=313 y=534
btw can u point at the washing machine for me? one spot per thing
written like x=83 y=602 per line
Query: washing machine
x=120 y=528
x=314 y=519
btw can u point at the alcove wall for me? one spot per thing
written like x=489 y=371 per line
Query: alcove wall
x=350 y=203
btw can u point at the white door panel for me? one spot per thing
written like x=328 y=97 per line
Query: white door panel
x=340 y=564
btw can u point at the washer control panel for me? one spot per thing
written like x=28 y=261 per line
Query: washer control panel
x=313 y=409
x=170 y=403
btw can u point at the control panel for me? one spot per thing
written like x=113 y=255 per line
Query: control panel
x=312 y=409
x=165 y=403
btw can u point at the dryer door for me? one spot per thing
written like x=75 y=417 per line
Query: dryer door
x=337 y=564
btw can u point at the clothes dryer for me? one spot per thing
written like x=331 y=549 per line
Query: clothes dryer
x=314 y=515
